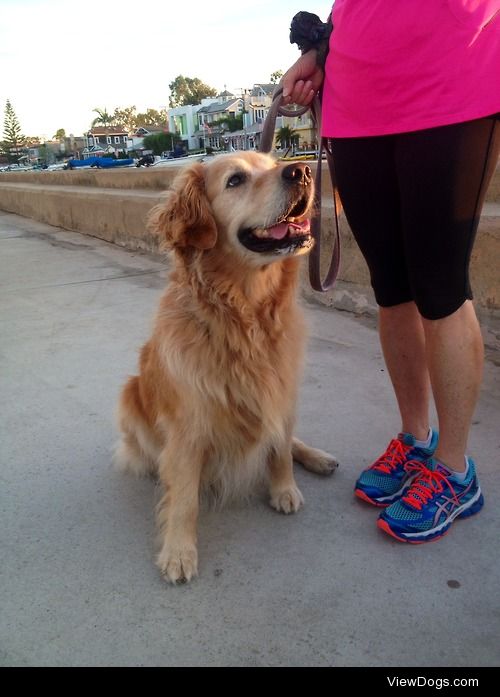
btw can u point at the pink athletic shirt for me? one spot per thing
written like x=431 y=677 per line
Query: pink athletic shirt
x=404 y=65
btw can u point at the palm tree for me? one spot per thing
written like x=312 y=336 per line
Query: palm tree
x=102 y=118
x=287 y=137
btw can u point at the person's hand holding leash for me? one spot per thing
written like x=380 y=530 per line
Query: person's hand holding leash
x=303 y=80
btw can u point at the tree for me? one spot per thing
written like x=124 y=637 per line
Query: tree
x=130 y=119
x=276 y=76
x=13 y=138
x=102 y=118
x=152 y=117
x=233 y=123
x=60 y=134
x=287 y=137
x=188 y=90
x=126 y=117
x=159 y=142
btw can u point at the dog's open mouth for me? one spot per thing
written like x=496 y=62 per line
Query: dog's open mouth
x=286 y=236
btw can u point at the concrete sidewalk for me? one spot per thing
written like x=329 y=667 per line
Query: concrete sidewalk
x=324 y=587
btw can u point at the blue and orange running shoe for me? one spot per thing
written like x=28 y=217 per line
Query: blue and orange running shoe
x=386 y=480
x=435 y=498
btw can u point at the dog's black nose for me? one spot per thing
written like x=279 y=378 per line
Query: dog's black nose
x=297 y=173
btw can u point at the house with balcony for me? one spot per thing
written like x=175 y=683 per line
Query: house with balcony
x=106 y=140
x=213 y=129
x=259 y=102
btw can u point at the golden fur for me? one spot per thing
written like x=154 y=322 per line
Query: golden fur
x=213 y=405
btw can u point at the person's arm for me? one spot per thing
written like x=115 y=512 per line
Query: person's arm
x=303 y=80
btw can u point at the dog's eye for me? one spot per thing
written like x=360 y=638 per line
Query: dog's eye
x=236 y=180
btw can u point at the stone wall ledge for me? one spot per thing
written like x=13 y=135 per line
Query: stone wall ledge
x=114 y=205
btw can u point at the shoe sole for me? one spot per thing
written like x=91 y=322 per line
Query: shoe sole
x=364 y=497
x=471 y=509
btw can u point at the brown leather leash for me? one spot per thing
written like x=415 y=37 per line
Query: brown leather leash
x=266 y=143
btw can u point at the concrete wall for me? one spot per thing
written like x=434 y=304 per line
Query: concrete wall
x=114 y=215
x=113 y=205
x=144 y=178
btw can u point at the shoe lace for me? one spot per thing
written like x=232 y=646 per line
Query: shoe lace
x=425 y=485
x=394 y=455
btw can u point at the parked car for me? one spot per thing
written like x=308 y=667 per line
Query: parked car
x=145 y=161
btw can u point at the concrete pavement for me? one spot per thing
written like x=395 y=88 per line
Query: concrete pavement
x=323 y=588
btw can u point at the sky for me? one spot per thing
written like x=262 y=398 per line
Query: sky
x=60 y=59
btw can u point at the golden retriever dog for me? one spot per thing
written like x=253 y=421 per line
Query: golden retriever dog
x=213 y=406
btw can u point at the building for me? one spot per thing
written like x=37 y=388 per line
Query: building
x=197 y=125
x=106 y=140
x=213 y=129
x=182 y=120
x=46 y=153
x=135 y=140
x=74 y=145
x=206 y=125
x=259 y=102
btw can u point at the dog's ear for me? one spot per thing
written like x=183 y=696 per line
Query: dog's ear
x=185 y=219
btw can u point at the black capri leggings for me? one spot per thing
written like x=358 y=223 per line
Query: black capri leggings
x=413 y=201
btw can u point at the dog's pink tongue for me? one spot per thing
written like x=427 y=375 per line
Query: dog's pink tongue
x=279 y=231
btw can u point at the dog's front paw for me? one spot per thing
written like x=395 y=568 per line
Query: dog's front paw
x=287 y=500
x=178 y=565
x=321 y=463
x=313 y=459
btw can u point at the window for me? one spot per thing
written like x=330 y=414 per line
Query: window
x=108 y=140
x=117 y=139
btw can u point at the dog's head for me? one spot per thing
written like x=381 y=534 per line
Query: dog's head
x=244 y=203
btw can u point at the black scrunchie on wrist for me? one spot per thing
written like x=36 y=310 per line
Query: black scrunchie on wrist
x=309 y=32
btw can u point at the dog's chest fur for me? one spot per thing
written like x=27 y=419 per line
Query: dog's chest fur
x=235 y=370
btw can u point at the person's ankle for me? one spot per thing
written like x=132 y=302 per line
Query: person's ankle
x=420 y=434
x=456 y=463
